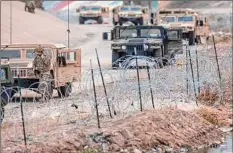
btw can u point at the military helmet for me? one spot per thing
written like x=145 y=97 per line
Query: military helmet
x=39 y=49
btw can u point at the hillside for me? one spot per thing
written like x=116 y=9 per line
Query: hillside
x=40 y=27
x=197 y=4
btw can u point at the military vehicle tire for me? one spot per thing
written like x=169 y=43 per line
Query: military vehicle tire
x=114 y=23
x=64 y=91
x=2 y=111
x=100 y=20
x=81 y=20
x=115 y=57
x=120 y=22
x=158 y=53
x=191 y=38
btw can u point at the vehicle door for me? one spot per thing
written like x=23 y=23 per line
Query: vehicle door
x=174 y=41
x=68 y=66
x=202 y=27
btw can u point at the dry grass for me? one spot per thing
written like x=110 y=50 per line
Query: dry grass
x=221 y=116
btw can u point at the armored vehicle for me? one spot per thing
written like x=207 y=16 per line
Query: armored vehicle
x=6 y=83
x=194 y=26
x=126 y=13
x=152 y=41
x=92 y=12
x=30 y=6
x=65 y=66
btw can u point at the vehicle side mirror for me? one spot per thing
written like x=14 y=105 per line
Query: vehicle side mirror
x=107 y=36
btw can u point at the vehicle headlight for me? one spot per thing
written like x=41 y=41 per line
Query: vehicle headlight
x=123 y=47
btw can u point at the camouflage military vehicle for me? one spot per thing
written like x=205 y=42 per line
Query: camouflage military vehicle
x=92 y=12
x=65 y=65
x=152 y=41
x=6 y=83
x=126 y=13
x=194 y=26
x=30 y=6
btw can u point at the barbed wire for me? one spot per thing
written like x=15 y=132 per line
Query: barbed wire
x=169 y=82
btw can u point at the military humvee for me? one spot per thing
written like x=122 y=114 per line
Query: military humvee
x=125 y=13
x=30 y=6
x=6 y=83
x=194 y=26
x=65 y=65
x=92 y=12
x=152 y=41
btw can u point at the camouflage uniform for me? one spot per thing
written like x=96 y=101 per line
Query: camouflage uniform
x=41 y=64
x=41 y=67
x=30 y=5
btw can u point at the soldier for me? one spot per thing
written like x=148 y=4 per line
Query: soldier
x=30 y=6
x=41 y=67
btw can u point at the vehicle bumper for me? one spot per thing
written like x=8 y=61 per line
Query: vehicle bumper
x=90 y=17
x=124 y=19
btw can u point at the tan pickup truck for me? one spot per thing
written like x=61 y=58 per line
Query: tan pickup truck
x=65 y=65
x=194 y=26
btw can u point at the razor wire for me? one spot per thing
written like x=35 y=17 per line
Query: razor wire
x=168 y=81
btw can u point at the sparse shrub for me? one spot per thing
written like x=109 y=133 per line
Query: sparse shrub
x=208 y=115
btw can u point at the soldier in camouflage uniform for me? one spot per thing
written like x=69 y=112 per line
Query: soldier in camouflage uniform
x=30 y=6
x=41 y=67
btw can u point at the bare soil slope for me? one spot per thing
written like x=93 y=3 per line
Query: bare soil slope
x=155 y=128
x=196 y=4
x=40 y=27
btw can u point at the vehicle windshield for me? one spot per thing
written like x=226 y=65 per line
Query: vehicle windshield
x=130 y=9
x=135 y=9
x=30 y=53
x=124 y=9
x=94 y=8
x=155 y=33
x=128 y=33
x=11 y=53
x=84 y=8
x=185 y=19
x=168 y=19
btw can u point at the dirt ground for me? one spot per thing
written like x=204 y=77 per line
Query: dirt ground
x=175 y=128
x=168 y=128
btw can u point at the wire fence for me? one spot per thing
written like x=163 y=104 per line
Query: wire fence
x=140 y=83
